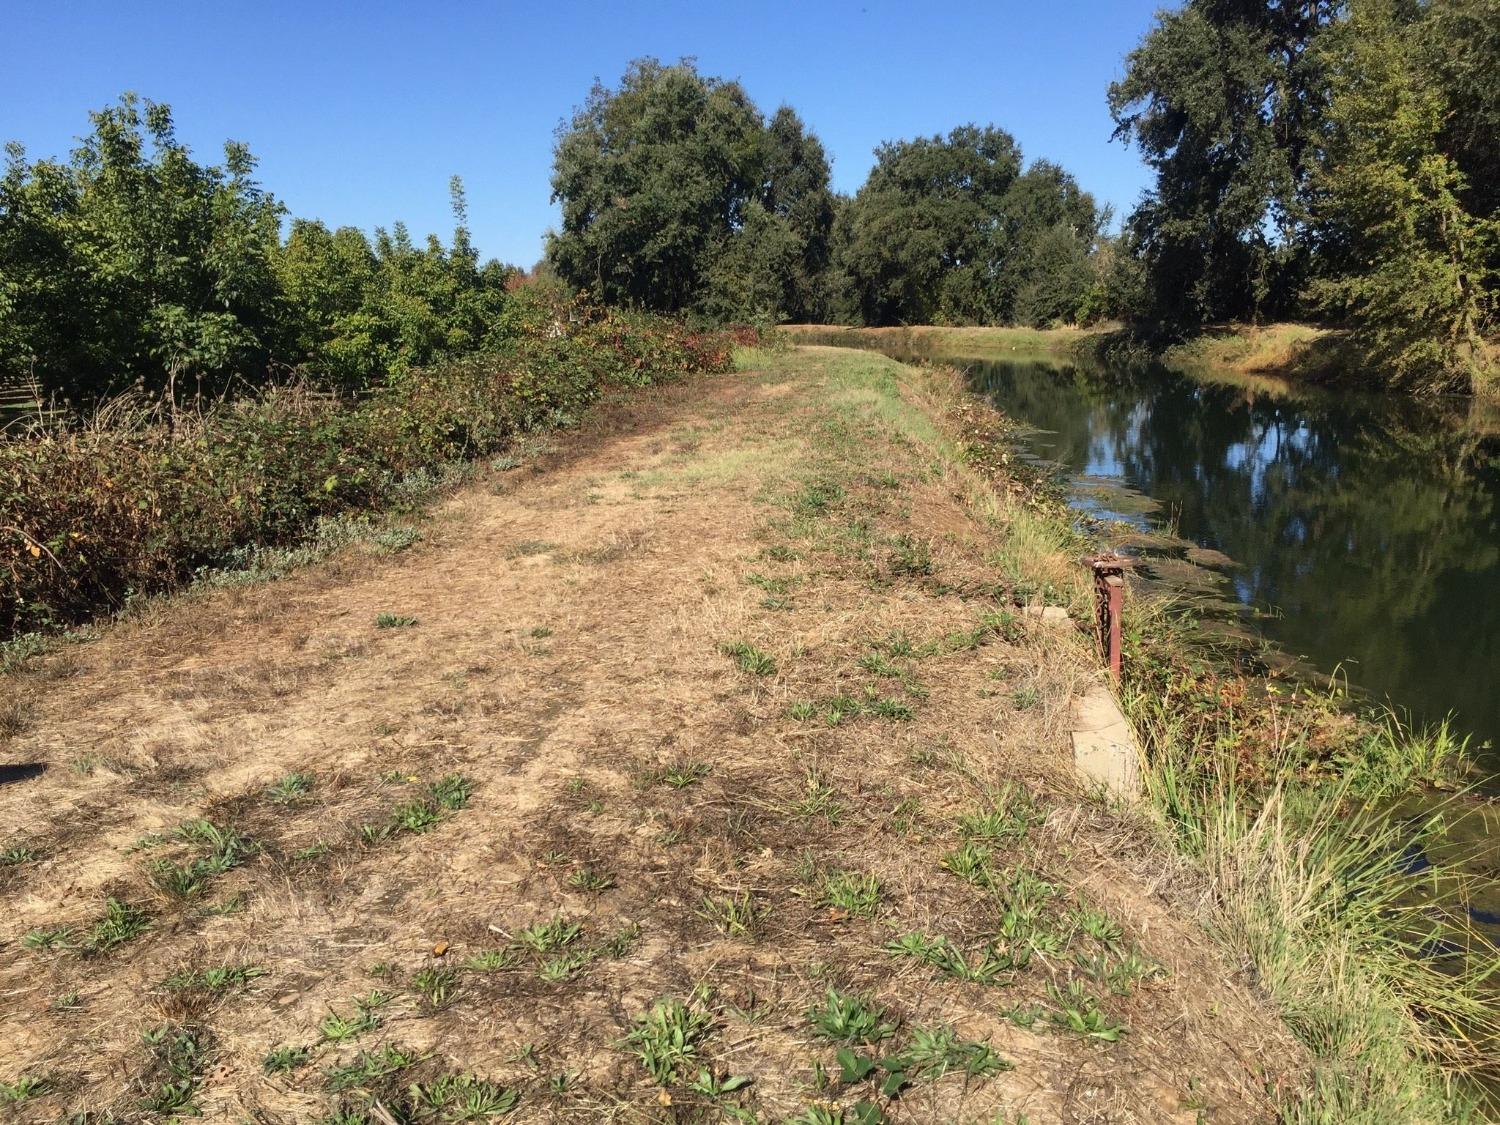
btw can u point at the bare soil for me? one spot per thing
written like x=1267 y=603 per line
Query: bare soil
x=623 y=766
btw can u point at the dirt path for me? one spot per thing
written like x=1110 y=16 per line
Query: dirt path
x=691 y=709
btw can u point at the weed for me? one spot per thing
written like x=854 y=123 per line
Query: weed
x=179 y=1055
x=414 y=816
x=1024 y=1016
x=935 y=1051
x=589 y=880
x=491 y=961
x=374 y=998
x=338 y=1029
x=619 y=942
x=555 y=969
x=292 y=787
x=1098 y=925
x=437 y=986
x=877 y=665
x=283 y=1060
x=369 y=1066
x=122 y=921
x=1011 y=813
x=393 y=621
x=1025 y=696
x=711 y=1086
x=1076 y=1010
x=683 y=774
x=803 y=710
x=540 y=632
x=971 y=863
x=667 y=1039
x=819 y=799
x=816 y=498
x=313 y=851
x=27 y=1086
x=943 y=955
x=1119 y=974
x=895 y=709
x=852 y=892
x=849 y=1019
x=544 y=937
x=217 y=979
x=463 y=1097
x=734 y=916
x=46 y=940
x=398 y=538
x=18 y=854
x=910 y=557
x=749 y=658
x=66 y=1001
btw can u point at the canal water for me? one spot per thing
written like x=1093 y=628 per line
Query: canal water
x=1361 y=533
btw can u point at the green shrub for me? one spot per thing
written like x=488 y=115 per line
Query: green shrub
x=138 y=501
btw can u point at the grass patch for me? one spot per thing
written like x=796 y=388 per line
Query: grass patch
x=749 y=659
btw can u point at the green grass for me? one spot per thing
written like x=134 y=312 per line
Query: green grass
x=732 y=915
x=749 y=658
x=122 y=922
x=393 y=621
x=293 y=787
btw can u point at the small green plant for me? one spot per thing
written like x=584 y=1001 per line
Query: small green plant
x=415 y=817
x=339 y=1029
x=818 y=799
x=369 y=1066
x=398 y=538
x=970 y=862
x=491 y=961
x=292 y=787
x=667 y=1039
x=682 y=774
x=544 y=937
x=733 y=916
x=895 y=709
x=853 y=892
x=1099 y=925
x=17 y=854
x=27 y=1086
x=849 y=1019
x=393 y=621
x=122 y=922
x=437 y=986
x=180 y=1055
x=910 y=557
x=66 y=1001
x=749 y=658
x=216 y=979
x=561 y=967
x=283 y=1060
x=540 y=633
x=1010 y=813
x=803 y=710
x=591 y=881
x=1076 y=1010
x=46 y=940
x=935 y=1051
x=463 y=1097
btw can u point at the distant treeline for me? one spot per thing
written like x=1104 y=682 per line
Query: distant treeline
x=1334 y=161
x=678 y=194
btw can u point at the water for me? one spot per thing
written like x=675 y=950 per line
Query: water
x=1363 y=532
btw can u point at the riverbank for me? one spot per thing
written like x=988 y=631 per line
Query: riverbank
x=654 y=771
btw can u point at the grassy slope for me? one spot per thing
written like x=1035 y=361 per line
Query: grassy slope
x=729 y=683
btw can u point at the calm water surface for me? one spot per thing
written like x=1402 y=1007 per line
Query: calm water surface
x=1365 y=531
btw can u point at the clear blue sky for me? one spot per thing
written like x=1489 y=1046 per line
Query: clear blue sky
x=360 y=111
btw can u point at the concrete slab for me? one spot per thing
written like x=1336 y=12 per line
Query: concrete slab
x=1104 y=746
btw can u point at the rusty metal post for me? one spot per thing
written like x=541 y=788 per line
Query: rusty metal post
x=1109 y=593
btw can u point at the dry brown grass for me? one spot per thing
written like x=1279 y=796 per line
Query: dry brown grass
x=566 y=660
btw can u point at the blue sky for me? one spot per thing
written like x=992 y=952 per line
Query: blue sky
x=359 y=112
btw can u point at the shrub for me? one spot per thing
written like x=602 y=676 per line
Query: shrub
x=139 y=500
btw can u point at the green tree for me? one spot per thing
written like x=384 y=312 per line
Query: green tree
x=1223 y=98
x=653 y=179
x=161 y=267
x=1405 y=262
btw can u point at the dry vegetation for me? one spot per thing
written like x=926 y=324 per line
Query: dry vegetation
x=700 y=769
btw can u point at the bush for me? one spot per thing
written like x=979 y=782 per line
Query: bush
x=140 y=500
